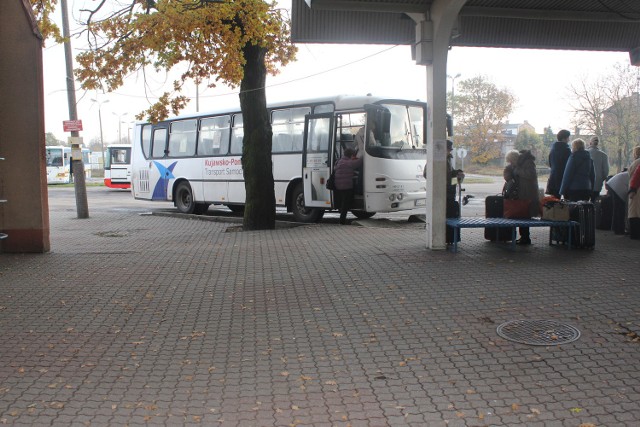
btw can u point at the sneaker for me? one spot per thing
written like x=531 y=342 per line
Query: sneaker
x=522 y=241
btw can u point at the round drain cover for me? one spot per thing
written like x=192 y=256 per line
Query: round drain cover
x=538 y=332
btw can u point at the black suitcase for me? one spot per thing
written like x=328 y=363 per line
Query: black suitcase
x=493 y=209
x=453 y=211
x=584 y=234
x=604 y=212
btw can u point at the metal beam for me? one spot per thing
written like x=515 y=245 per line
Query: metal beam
x=543 y=15
x=365 y=6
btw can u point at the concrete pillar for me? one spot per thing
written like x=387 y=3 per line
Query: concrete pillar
x=23 y=181
x=433 y=34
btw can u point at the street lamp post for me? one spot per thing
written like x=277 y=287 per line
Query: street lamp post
x=453 y=95
x=119 y=116
x=453 y=100
x=100 y=121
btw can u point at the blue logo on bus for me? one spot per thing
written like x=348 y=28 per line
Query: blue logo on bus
x=160 y=190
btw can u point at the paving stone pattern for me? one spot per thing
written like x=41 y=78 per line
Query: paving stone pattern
x=152 y=320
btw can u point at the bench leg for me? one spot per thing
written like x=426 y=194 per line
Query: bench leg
x=456 y=233
x=514 y=235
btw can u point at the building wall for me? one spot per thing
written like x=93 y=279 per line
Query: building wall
x=25 y=215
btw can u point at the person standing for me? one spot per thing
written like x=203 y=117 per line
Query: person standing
x=558 y=157
x=600 y=164
x=344 y=173
x=618 y=186
x=634 y=198
x=579 y=174
x=521 y=167
x=452 y=173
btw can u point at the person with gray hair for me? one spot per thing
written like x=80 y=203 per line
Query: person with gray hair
x=579 y=175
x=600 y=164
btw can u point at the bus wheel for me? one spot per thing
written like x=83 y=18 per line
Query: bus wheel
x=184 y=199
x=300 y=211
x=236 y=208
x=363 y=214
x=201 y=208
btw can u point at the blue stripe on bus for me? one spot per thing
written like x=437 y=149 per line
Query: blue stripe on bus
x=160 y=190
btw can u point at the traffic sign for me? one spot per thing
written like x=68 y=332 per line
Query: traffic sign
x=72 y=125
x=462 y=152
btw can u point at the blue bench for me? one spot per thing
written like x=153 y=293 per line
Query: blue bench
x=476 y=222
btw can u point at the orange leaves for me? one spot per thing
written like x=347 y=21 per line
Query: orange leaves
x=205 y=38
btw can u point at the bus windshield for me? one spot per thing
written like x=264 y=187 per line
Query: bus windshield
x=397 y=132
x=55 y=157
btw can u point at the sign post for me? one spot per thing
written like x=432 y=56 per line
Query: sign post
x=462 y=153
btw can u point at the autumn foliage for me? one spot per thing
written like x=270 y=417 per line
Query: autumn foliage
x=204 y=39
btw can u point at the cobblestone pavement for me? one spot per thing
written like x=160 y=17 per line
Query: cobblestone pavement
x=157 y=320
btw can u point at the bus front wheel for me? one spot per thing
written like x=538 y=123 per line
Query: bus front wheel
x=184 y=199
x=300 y=211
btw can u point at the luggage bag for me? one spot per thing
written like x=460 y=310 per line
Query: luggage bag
x=584 y=234
x=493 y=208
x=604 y=212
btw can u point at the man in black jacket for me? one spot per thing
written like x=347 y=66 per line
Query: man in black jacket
x=558 y=157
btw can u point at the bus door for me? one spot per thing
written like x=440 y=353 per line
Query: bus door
x=316 y=164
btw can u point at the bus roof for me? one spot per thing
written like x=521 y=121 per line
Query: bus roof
x=341 y=103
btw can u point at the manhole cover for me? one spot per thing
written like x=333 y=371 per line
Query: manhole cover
x=538 y=332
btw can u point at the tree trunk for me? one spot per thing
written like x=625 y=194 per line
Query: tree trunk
x=260 y=207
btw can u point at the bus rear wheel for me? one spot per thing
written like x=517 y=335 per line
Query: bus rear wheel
x=184 y=199
x=300 y=211
x=363 y=214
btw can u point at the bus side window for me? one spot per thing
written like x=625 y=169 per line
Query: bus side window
x=298 y=139
x=236 y=145
x=237 y=134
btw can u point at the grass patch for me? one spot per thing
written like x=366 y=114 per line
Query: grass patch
x=87 y=184
x=478 y=179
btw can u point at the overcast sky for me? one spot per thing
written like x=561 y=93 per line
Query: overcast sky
x=539 y=80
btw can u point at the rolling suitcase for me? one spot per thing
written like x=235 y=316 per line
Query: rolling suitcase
x=604 y=212
x=493 y=209
x=584 y=234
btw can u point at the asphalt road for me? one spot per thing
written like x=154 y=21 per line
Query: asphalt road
x=99 y=198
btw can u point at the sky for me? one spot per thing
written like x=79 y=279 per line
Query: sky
x=538 y=78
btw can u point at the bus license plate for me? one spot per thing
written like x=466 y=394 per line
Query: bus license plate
x=421 y=202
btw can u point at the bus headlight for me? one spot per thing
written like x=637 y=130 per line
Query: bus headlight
x=400 y=196
x=392 y=197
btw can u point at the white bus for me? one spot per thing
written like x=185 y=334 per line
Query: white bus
x=117 y=167
x=58 y=160
x=195 y=160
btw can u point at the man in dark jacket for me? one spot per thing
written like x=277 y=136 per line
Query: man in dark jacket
x=558 y=157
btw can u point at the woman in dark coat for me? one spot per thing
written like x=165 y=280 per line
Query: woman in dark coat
x=579 y=175
x=344 y=172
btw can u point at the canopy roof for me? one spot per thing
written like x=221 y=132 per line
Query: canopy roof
x=597 y=25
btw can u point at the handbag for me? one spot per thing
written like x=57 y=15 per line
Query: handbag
x=510 y=189
x=516 y=208
x=331 y=181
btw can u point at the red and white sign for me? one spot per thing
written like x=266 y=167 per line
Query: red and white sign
x=72 y=125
